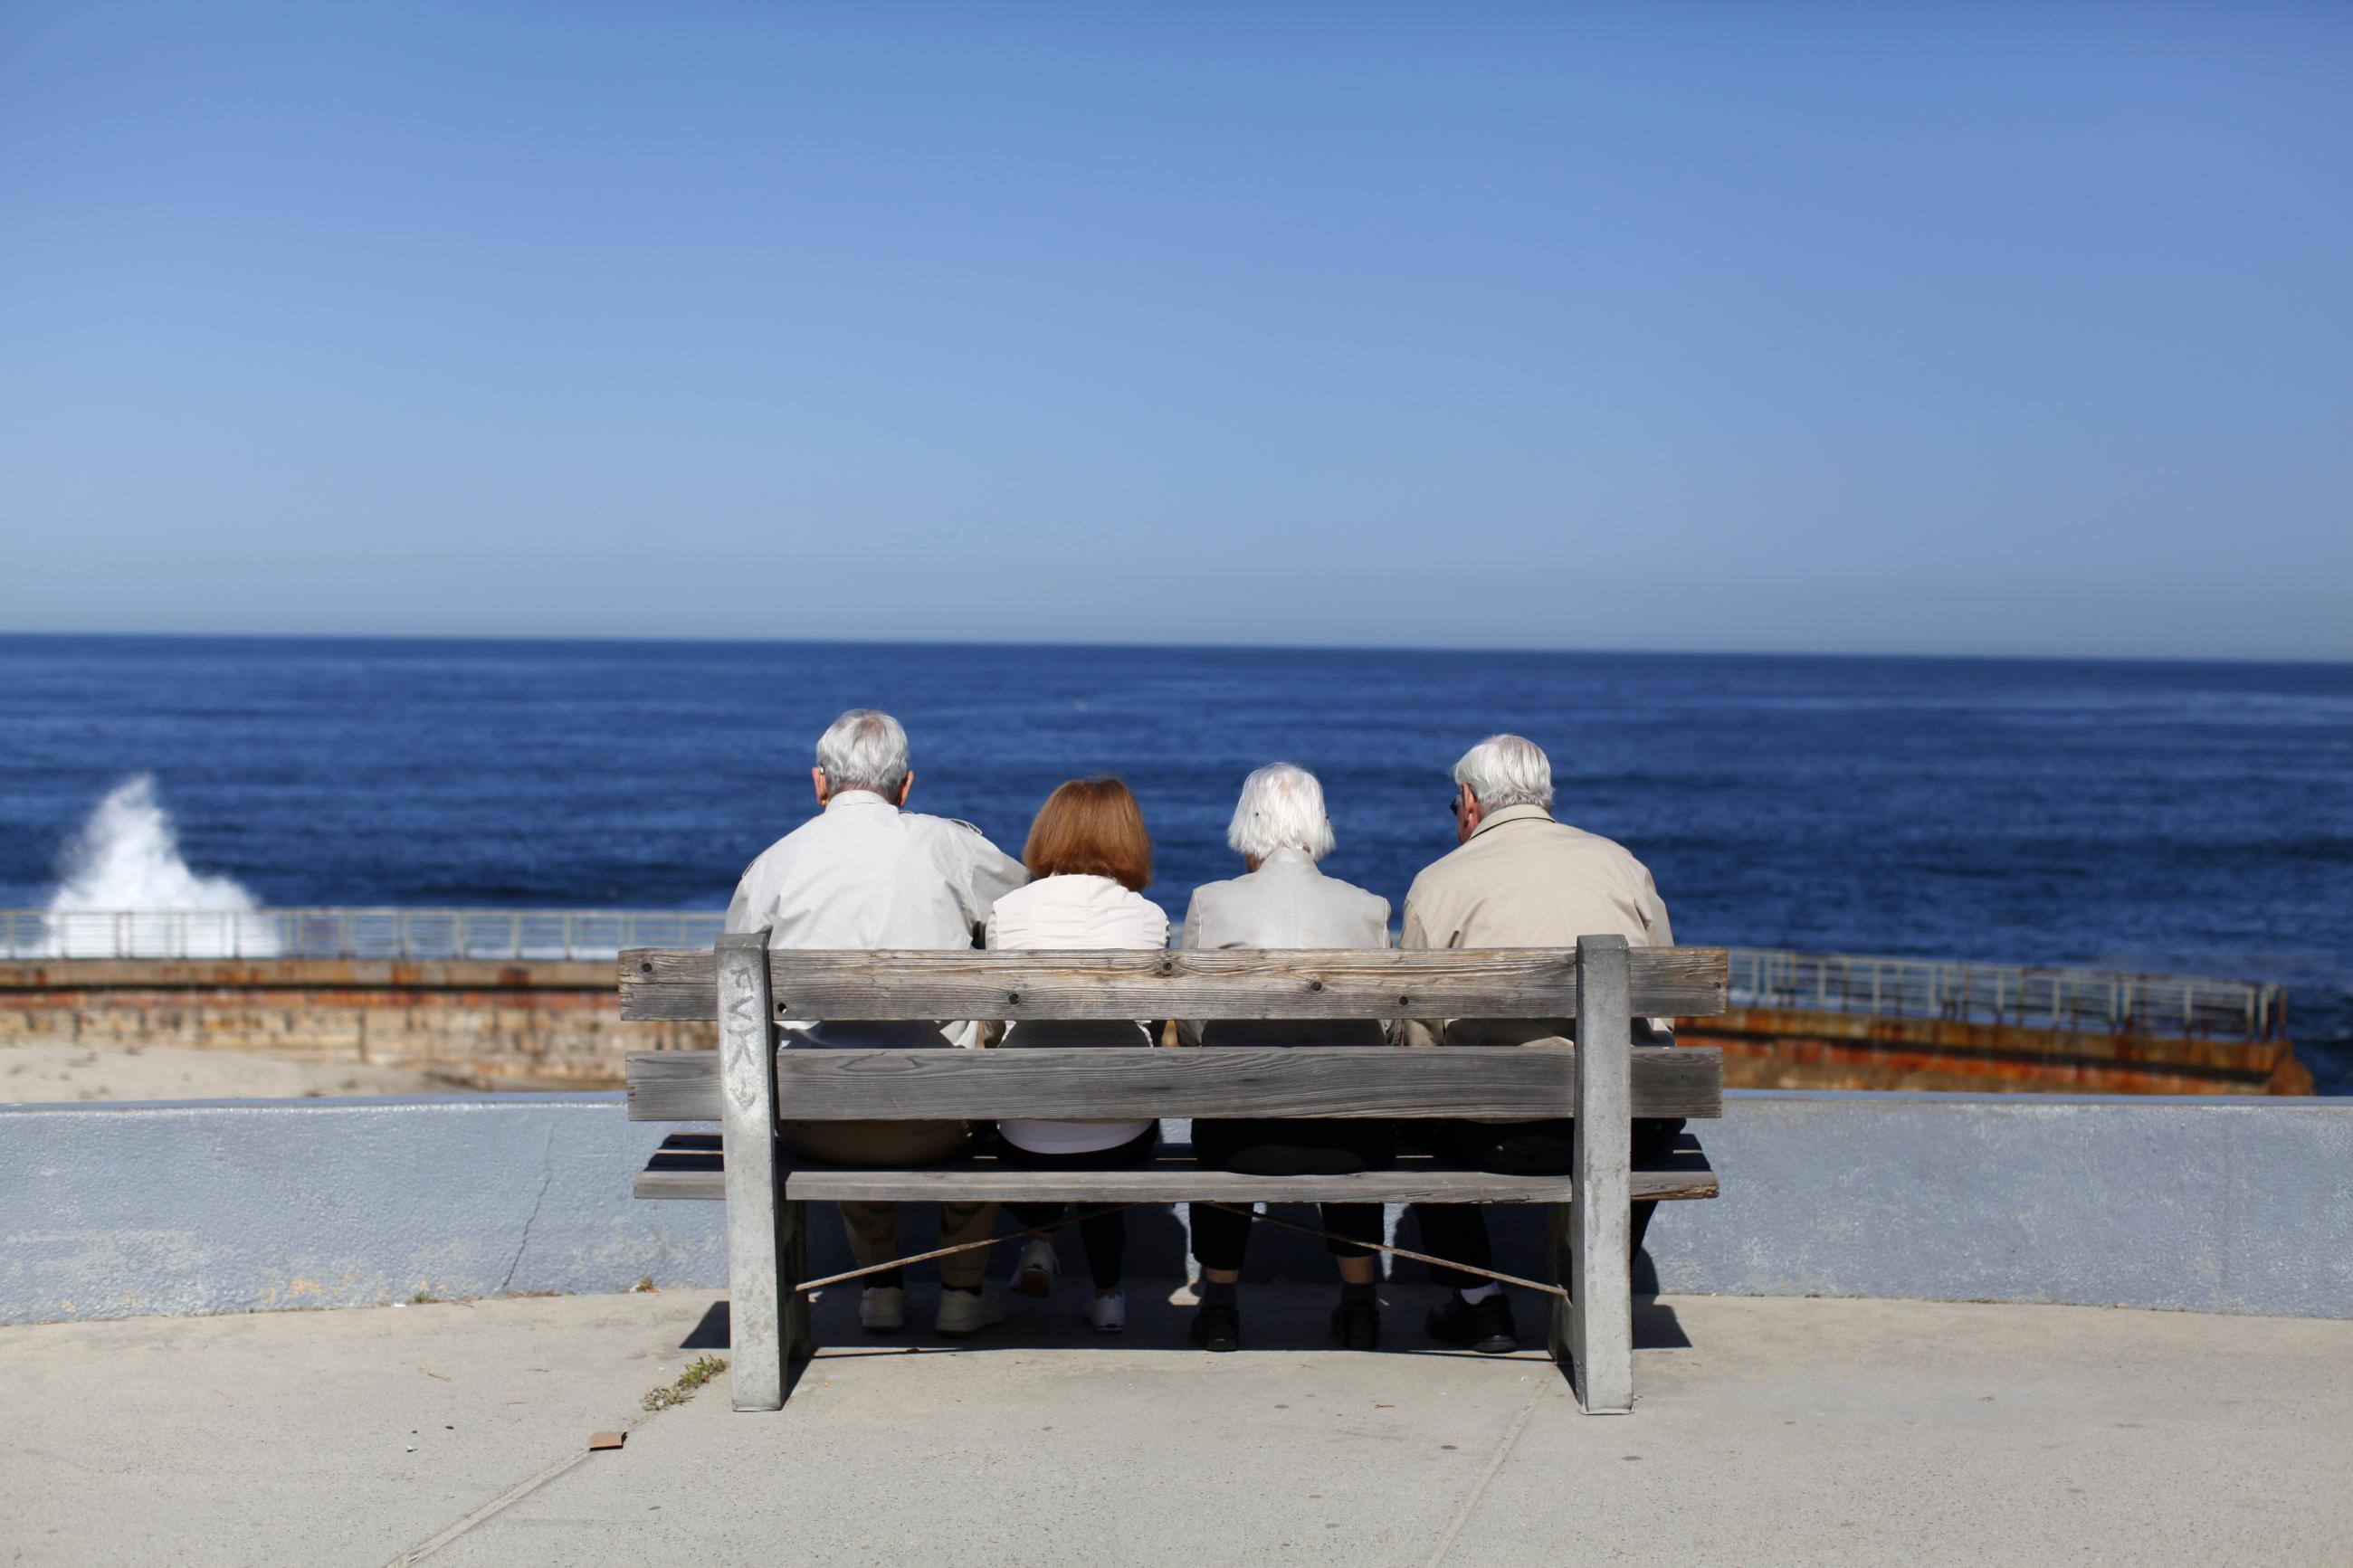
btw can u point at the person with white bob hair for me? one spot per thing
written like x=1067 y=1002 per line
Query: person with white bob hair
x=1283 y=900
x=1518 y=878
x=1281 y=807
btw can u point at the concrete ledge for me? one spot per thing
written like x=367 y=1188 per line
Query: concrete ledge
x=2223 y=1205
x=238 y=1206
x=2219 y=1206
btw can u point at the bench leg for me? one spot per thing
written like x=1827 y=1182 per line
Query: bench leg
x=792 y=1254
x=758 y=1246
x=1600 y=1309
x=1558 y=1220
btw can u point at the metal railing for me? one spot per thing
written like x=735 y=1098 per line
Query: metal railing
x=543 y=934
x=2077 y=1000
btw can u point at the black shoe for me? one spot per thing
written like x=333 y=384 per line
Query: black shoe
x=1217 y=1329
x=1483 y=1326
x=1356 y=1325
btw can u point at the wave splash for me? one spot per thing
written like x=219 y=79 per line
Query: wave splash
x=127 y=892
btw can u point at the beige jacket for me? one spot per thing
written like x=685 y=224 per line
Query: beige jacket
x=1526 y=880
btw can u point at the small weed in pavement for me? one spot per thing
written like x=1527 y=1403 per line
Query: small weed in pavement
x=700 y=1371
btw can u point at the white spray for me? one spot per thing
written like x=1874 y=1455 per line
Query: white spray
x=126 y=861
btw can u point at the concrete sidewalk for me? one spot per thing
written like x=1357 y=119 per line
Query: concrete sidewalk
x=1769 y=1431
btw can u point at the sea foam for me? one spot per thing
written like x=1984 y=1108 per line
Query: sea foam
x=127 y=891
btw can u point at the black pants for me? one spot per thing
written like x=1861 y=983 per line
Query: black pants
x=1288 y=1149
x=1459 y=1231
x=1104 y=1236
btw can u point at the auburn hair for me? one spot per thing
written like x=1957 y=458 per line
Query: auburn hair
x=1090 y=827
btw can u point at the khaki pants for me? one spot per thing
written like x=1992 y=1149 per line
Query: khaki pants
x=891 y=1145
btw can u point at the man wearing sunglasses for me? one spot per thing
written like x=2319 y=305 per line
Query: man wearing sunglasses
x=1519 y=879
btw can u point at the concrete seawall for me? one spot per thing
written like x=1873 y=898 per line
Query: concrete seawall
x=1768 y=1048
x=556 y=1024
x=2207 y=1204
x=524 y=1023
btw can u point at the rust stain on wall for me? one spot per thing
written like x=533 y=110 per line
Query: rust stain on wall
x=493 y=1025
x=506 y=1025
x=1777 y=1048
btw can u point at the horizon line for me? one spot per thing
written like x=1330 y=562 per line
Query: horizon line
x=688 y=640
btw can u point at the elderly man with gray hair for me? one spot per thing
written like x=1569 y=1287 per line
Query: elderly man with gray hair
x=867 y=873
x=1519 y=879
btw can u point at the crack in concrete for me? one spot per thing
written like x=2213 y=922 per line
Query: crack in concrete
x=501 y=1503
x=1478 y=1488
x=546 y=1180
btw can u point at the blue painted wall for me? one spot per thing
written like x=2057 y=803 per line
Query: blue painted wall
x=2210 y=1205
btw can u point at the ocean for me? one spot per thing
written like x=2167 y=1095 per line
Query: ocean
x=2194 y=819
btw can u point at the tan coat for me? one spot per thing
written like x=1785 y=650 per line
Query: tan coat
x=1526 y=880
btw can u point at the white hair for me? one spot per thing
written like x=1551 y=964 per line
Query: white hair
x=1281 y=807
x=1506 y=769
x=863 y=749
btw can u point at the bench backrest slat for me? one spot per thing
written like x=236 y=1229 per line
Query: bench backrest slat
x=1117 y=1084
x=1497 y=983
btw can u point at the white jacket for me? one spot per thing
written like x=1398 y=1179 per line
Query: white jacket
x=1074 y=914
x=862 y=874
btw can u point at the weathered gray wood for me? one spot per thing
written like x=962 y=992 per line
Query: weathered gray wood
x=665 y=1003
x=673 y=1086
x=1510 y=1083
x=1501 y=983
x=681 y=1170
x=756 y=1242
x=1500 y=1083
x=1154 y=1185
x=1406 y=1184
x=679 y=1182
x=687 y=1165
x=1600 y=1309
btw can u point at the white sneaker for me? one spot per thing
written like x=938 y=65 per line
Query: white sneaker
x=964 y=1313
x=882 y=1308
x=1034 y=1275
x=1108 y=1314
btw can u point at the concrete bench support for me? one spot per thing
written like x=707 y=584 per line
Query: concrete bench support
x=767 y=1241
x=1593 y=1330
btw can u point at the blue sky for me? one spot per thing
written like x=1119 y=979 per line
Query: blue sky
x=2007 y=329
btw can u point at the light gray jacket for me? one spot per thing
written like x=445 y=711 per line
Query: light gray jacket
x=1285 y=903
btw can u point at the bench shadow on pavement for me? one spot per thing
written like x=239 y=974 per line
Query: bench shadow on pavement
x=1288 y=1292
x=1282 y=1318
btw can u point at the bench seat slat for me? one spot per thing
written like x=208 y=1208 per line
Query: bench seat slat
x=1118 y=1084
x=1507 y=982
x=689 y=1165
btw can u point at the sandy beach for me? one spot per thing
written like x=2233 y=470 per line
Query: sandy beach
x=54 y=1072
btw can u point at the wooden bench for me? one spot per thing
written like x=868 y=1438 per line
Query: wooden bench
x=749 y=1084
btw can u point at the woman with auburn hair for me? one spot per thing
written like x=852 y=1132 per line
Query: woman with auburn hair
x=1091 y=861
